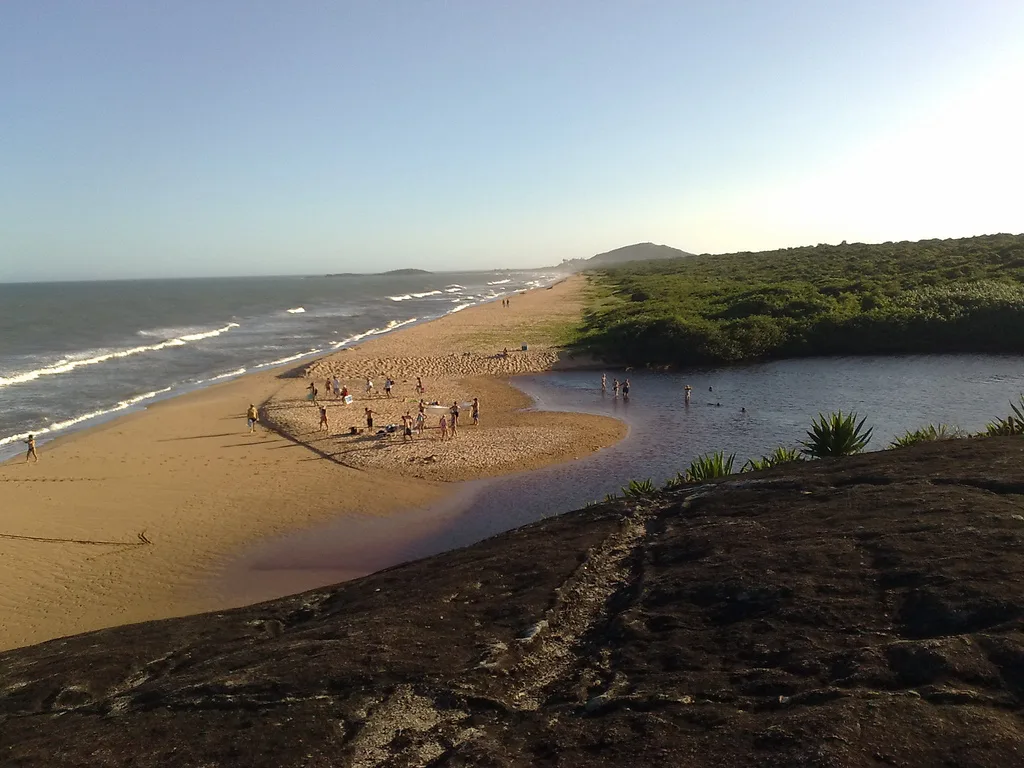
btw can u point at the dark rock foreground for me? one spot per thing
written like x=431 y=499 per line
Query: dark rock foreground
x=866 y=612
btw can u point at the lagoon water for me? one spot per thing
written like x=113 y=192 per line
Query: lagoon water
x=780 y=398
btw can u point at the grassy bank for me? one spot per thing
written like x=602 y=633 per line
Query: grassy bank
x=931 y=296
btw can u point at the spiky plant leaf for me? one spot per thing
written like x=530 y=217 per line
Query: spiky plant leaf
x=837 y=434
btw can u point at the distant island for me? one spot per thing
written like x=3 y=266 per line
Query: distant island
x=381 y=274
x=628 y=253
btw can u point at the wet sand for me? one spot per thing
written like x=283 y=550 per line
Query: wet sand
x=127 y=521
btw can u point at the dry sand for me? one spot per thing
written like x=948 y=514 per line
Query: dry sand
x=187 y=476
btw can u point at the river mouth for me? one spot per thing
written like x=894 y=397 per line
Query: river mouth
x=746 y=410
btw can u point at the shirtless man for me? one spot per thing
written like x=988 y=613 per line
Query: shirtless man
x=369 y=418
x=31 y=453
x=323 y=420
x=475 y=413
x=406 y=427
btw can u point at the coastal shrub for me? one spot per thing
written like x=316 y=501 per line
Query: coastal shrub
x=610 y=497
x=932 y=296
x=926 y=434
x=710 y=466
x=780 y=455
x=1013 y=424
x=837 y=434
x=639 y=489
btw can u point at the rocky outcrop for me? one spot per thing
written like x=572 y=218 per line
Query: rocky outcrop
x=863 y=612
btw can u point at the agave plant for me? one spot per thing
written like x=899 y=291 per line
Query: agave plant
x=639 y=489
x=780 y=455
x=926 y=434
x=1011 y=425
x=675 y=482
x=710 y=466
x=837 y=434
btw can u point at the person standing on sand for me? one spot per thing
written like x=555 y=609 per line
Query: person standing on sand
x=625 y=390
x=454 y=410
x=475 y=413
x=312 y=392
x=419 y=386
x=369 y=386
x=323 y=420
x=253 y=416
x=328 y=389
x=369 y=418
x=421 y=419
x=344 y=394
x=388 y=383
x=406 y=427
x=336 y=386
x=31 y=452
x=443 y=424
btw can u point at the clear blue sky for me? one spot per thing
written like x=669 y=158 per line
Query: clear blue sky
x=223 y=137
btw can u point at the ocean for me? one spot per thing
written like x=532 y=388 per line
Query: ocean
x=72 y=354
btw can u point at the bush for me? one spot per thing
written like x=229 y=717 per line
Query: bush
x=926 y=434
x=709 y=466
x=1011 y=425
x=836 y=435
x=780 y=455
x=639 y=489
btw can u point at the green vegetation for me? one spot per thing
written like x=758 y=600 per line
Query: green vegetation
x=927 y=434
x=1011 y=425
x=709 y=466
x=836 y=435
x=892 y=298
x=639 y=489
x=780 y=455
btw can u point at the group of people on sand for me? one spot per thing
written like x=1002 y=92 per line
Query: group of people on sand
x=616 y=387
x=448 y=423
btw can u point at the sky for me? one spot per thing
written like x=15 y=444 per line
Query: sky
x=236 y=137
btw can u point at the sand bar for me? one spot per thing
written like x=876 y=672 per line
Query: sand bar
x=186 y=475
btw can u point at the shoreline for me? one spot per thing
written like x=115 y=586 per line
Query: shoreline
x=185 y=474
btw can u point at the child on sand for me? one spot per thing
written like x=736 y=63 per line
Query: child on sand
x=443 y=424
x=323 y=420
x=476 y=412
x=253 y=416
x=369 y=385
x=31 y=453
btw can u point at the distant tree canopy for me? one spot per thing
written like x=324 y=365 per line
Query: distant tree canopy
x=931 y=296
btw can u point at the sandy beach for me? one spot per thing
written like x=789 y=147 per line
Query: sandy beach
x=128 y=521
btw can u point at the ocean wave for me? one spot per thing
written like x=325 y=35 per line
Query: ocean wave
x=67 y=365
x=454 y=289
x=501 y=282
x=284 y=360
x=219 y=376
x=459 y=308
x=403 y=297
x=392 y=325
x=296 y=311
x=59 y=425
x=428 y=293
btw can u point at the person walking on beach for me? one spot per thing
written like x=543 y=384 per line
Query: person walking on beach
x=475 y=413
x=323 y=420
x=369 y=385
x=336 y=385
x=419 y=386
x=615 y=387
x=604 y=383
x=369 y=418
x=313 y=392
x=388 y=383
x=625 y=390
x=406 y=427
x=344 y=394
x=421 y=420
x=443 y=424
x=31 y=452
x=328 y=389
x=252 y=416
x=454 y=410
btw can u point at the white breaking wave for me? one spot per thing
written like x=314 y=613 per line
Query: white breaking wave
x=296 y=311
x=59 y=425
x=66 y=366
x=428 y=293
x=403 y=297
x=454 y=289
x=501 y=282
x=375 y=331
x=284 y=360
x=220 y=376
x=459 y=308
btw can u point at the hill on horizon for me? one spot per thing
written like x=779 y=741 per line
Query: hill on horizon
x=627 y=253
